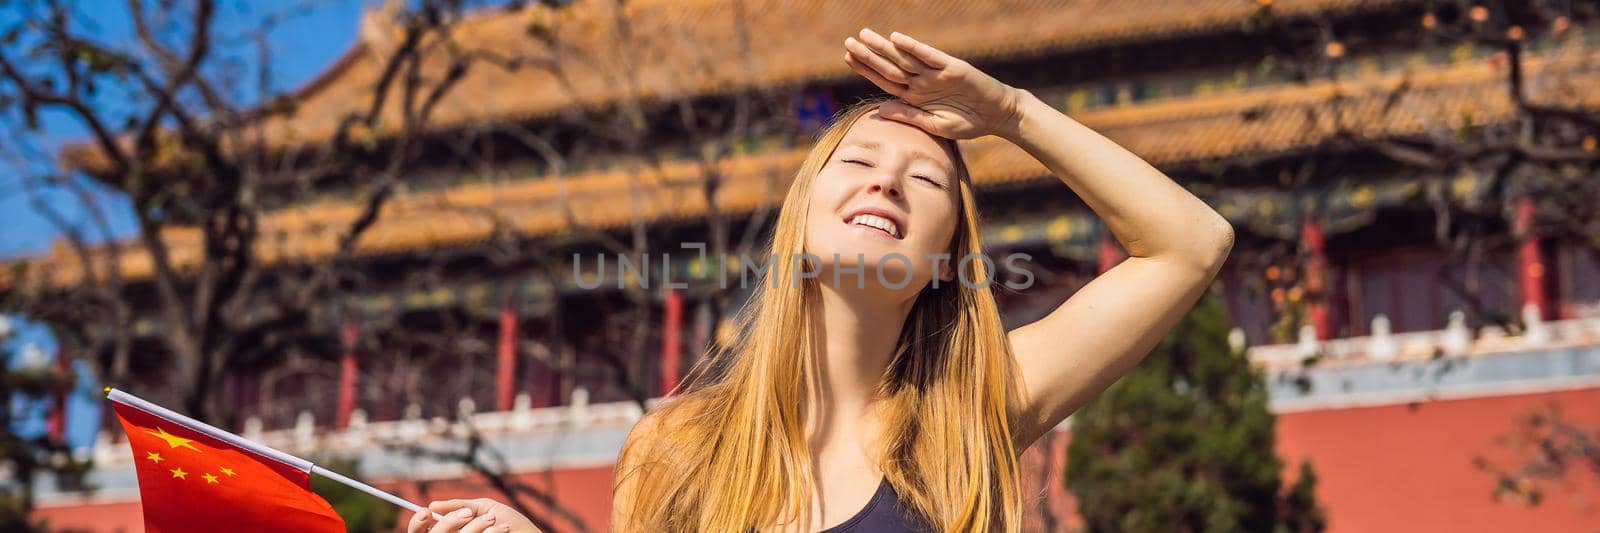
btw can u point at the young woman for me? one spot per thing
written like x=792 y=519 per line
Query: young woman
x=889 y=406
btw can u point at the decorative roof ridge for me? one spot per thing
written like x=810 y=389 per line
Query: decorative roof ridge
x=784 y=54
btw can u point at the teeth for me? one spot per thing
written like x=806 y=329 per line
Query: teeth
x=875 y=221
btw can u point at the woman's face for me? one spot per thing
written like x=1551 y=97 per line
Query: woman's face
x=886 y=199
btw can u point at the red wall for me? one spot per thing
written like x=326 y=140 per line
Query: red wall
x=122 y=517
x=1401 y=468
x=585 y=492
x=1388 y=468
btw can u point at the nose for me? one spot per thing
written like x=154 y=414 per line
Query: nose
x=885 y=183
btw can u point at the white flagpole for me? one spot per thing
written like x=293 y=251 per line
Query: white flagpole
x=369 y=489
x=257 y=448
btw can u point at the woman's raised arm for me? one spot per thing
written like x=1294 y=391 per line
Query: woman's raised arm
x=1175 y=246
x=1175 y=242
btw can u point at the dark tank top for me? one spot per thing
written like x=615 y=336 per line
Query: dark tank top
x=883 y=513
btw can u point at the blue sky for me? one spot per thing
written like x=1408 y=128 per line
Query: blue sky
x=310 y=36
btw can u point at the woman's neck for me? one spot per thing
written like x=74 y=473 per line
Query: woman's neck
x=857 y=332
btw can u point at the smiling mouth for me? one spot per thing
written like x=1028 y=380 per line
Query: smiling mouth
x=876 y=222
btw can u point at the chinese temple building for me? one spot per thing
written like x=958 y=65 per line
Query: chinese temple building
x=1382 y=373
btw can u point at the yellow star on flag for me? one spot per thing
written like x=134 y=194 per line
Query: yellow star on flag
x=154 y=457
x=227 y=471
x=209 y=478
x=172 y=440
x=179 y=473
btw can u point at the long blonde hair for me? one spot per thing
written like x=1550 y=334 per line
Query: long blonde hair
x=730 y=452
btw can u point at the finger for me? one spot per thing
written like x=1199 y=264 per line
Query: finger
x=453 y=521
x=480 y=524
x=911 y=65
x=419 y=522
x=477 y=505
x=890 y=87
x=866 y=56
x=928 y=55
x=909 y=114
x=445 y=507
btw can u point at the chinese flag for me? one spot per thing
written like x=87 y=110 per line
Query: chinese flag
x=189 y=481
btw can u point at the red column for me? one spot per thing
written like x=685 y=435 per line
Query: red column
x=506 y=358
x=1110 y=252
x=56 y=424
x=349 y=333
x=671 y=325
x=1530 y=258
x=1316 y=272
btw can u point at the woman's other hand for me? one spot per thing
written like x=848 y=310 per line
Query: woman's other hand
x=481 y=515
x=948 y=97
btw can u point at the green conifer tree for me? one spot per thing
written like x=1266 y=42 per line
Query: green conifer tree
x=1184 y=442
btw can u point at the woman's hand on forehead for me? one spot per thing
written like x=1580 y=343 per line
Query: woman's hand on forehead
x=940 y=93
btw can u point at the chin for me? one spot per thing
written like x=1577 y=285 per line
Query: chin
x=900 y=268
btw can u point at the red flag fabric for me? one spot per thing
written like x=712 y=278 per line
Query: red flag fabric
x=189 y=481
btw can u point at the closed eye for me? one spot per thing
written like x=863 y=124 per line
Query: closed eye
x=857 y=162
x=935 y=182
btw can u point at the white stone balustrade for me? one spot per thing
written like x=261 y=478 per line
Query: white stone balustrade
x=305 y=430
x=1457 y=338
x=1306 y=344
x=1536 y=333
x=252 y=428
x=107 y=451
x=356 y=434
x=1236 y=339
x=1383 y=345
x=304 y=437
x=521 y=412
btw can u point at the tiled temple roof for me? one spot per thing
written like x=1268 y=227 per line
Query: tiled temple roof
x=1259 y=121
x=677 y=49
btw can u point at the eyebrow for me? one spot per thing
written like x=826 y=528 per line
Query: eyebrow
x=914 y=154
